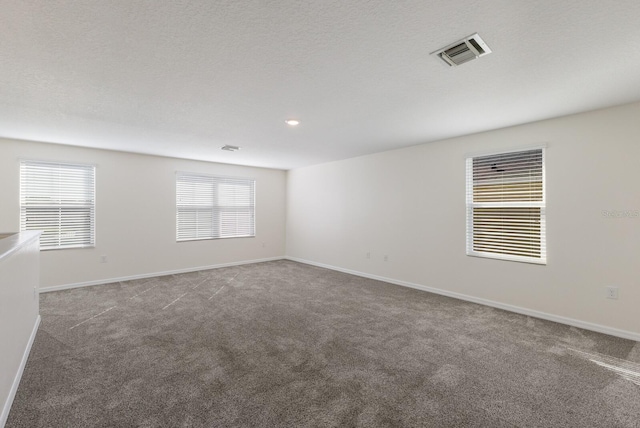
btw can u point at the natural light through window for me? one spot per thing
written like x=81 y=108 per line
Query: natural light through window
x=211 y=207
x=506 y=206
x=59 y=200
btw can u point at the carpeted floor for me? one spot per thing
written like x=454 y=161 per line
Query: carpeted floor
x=282 y=344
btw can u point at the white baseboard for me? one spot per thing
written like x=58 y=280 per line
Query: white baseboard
x=16 y=380
x=152 y=275
x=625 y=334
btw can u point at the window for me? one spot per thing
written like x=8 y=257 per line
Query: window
x=209 y=207
x=59 y=200
x=506 y=206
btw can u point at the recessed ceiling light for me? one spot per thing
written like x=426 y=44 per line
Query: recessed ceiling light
x=292 y=122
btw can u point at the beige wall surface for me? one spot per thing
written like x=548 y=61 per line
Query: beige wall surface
x=135 y=214
x=409 y=205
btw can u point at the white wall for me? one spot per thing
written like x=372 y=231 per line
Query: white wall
x=135 y=215
x=409 y=204
x=19 y=318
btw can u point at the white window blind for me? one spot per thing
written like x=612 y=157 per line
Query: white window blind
x=59 y=200
x=506 y=206
x=210 y=207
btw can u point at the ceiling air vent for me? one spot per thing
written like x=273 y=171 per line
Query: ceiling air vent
x=230 y=148
x=464 y=50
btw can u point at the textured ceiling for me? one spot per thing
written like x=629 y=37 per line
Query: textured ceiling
x=184 y=77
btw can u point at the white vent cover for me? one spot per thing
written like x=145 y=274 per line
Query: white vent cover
x=464 y=50
x=230 y=148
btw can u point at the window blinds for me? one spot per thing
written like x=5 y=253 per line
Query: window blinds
x=59 y=200
x=210 y=207
x=506 y=206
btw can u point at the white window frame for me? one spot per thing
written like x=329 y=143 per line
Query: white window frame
x=202 y=205
x=506 y=205
x=58 y=198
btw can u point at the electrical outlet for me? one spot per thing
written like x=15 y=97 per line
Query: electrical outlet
x=103 y=259
x=612 y=292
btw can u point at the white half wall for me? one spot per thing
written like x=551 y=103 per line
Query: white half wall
x=409 y=205
x=135 y=215
x=19 y=311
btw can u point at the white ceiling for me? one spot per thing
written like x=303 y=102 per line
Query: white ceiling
x=183 y=77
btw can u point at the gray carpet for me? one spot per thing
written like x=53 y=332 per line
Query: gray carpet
x=282 y=344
